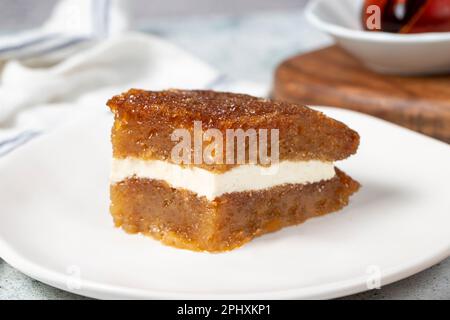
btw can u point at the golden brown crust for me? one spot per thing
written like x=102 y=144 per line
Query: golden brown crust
x=179 y=218
x=211 y=107
x=144 y=121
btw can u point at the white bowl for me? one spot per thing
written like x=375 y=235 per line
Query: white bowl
x=406 y=54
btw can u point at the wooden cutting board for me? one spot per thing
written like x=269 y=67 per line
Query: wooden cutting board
x=332 y=77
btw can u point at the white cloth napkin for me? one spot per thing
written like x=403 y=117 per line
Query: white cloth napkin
x=33 y=100
x=70 y=25
x=81 y=57
x=90 y=77
x=120 y=62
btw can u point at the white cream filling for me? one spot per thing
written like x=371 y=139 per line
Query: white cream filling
x=212 y=185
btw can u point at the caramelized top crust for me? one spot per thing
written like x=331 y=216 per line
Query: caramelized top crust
x=202 y=105
x=145 y=119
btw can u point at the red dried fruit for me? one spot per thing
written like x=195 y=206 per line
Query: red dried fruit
x=406 y=16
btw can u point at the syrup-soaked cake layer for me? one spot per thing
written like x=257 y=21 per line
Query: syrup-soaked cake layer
x=180 y=218
x=145 y=120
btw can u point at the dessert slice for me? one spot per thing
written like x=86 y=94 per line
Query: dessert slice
x=214 y=198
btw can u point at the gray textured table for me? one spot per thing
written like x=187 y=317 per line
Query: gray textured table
x=246 y=47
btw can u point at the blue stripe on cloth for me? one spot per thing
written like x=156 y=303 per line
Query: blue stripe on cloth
x=217 y=81
x=106 y=16
x=56 y=47
x=6 y=146
x=100 y=17
x=26 y=44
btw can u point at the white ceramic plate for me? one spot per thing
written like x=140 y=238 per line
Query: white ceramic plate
x=55 y=225
x=421 y=53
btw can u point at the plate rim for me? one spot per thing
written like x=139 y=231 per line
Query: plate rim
x=94 y=289
x=353 y=285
